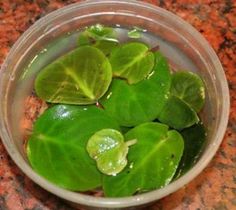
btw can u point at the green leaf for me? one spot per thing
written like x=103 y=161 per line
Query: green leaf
x=132 y=61
x=190 y=88
x=99 y=36
x=106 y=46
x=79 y=77
x=141 y=102
x=100 y=32
x=57 y=148
x=153 y=161
x=177 y=114
x=194 y=139
x=134 y=33
x=108 y=148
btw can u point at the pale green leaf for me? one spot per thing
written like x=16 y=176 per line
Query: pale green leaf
x=108 y=148
x=79 y=77
x=132 y=61
x=190 y=88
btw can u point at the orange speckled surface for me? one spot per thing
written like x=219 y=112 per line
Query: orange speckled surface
x=215 y=187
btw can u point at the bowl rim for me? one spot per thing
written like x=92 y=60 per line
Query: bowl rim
x=135 y=200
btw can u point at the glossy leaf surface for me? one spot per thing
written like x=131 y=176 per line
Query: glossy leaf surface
x=177 y=114
x=153 y=161
x=190 y=88
x=141 y=102
x=57 y=148
x=79 y=77
x=108 y=148
x=132 y=61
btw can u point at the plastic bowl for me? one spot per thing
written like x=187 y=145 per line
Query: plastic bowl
x=173 y=31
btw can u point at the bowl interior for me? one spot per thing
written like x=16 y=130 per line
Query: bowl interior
x=183 y=46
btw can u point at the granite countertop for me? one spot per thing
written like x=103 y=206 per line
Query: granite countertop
x=215 y=187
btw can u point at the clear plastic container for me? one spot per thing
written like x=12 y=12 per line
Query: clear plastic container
x=172 y=30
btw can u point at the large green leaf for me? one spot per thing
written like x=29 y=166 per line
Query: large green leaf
x=141 y=102
x=190 y=88
x=194 y=139
x=79 y=77
x=153 y=161
x=57 y=147
x=177 y=114
x=132 y=61
x=108 y=148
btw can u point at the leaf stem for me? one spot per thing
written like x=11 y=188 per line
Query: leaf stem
x=154 y=49
x=131 y=142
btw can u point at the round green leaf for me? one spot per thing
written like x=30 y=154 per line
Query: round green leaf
x=132 y=61
x=57 y=148
x=141 y=102
x=153 y=161
x=190 y=88
x=79 y=77
x=177 y=114
x=108 y=148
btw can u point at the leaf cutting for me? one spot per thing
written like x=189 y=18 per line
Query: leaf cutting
x=79 y=77
x=153 y=161
x=57 y=147
x=108 y=148
x=131 y=105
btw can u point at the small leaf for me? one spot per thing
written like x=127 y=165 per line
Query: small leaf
x=79 y=77
x=190 y=88
x=57 y=148
x=134 y=34
x=153 y=161
x=108 y=148
x=100 y=32
x=132 y=61
x=177 y=114
x=130 y=105
x=99 y=36
x=194 y=139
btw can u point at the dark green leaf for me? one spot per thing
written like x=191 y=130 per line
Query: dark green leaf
x=79 y=77
x=57 y=147
x=152 y=161
x=188 y=87
x=132 y=61
x=177 y=114
x=108 y=148
x=141 y=102
x=194 y=139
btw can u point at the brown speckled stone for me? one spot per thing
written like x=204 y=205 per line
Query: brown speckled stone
x=215 y=187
